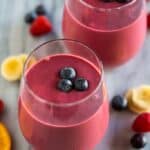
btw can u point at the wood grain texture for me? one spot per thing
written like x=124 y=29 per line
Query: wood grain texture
x=15 y=39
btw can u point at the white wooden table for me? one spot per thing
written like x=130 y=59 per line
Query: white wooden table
x=15 y=39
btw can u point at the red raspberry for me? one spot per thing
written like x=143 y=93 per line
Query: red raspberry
x=142 y=123
x=1 y=106
x=148 y=20
x=40 y=26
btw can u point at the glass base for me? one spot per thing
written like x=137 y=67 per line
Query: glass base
x=31 y=148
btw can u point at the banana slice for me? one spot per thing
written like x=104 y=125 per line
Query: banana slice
x=139 y=99
x=11 y=68
x=143 y=93
x=23 y=58
x=32 y=62
x=5 y=140
x=128 y=95
x=131 y=106
x=134 y=109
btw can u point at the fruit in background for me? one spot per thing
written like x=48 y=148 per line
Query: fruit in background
x=1 y=106
x=30 y=17
x=31 y=62
x=40 y=10
x=119 y=103
x=134 y=108
x=11 y=68
x=142 y=123
x=40 y=26
x=148 y=20
x=5 y=140
x=128 y=95
x=139 y=99
x=138 y=141
x=142 y=93
x=23 y=57
x=40 y=23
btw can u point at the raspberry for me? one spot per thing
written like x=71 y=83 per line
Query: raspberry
x=148 y=20
x=142 y=123
x=1 y=106
x=40 y=26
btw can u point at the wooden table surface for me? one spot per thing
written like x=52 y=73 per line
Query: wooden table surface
x=15 y=39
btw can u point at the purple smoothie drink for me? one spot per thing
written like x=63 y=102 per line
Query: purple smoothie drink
x=53 y=119
x=115 y=31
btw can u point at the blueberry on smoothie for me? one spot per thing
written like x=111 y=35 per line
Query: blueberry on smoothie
x=108 y=0
x=68 y=73
x=123 y=1
x=81 y=84
x=65 y=85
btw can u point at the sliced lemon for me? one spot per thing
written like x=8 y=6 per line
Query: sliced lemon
x=5 y=140
x=11 y=68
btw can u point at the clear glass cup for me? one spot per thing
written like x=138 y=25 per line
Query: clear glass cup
x=114 y=31
x=41 y=120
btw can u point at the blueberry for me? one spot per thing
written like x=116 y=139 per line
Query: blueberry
x=108 y=0
x=81 y=84
x=30 y=17
x=65 y=85
x=68 y=73
x=138 y=141
x=40 y=10
x=119 y=103
x=123 y=1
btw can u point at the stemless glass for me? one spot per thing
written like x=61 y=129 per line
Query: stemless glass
x=115 y=33
x=84 y=121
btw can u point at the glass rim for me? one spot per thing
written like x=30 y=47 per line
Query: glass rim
x=107 y=9
x=42 y=100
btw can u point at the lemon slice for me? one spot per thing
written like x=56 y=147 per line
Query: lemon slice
x=11 y=68
x=5 y=141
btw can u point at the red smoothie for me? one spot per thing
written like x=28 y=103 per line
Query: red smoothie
x=115 y=31
x=59 y=120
